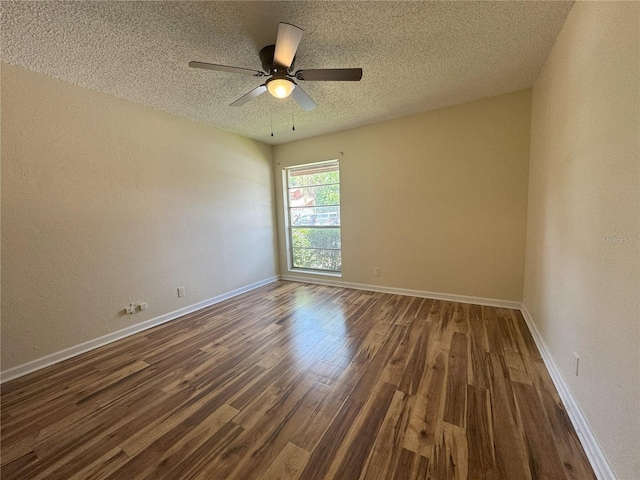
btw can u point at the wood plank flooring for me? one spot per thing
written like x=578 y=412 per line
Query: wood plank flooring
x=298 y=381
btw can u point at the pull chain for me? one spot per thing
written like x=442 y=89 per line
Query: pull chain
x=293 y=119
x=271 y=121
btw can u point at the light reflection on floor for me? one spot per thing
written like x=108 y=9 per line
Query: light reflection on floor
x=317 y=324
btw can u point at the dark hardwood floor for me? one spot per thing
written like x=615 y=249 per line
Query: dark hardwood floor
x=298 y=381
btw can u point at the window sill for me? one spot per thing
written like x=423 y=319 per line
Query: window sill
x=316 y=272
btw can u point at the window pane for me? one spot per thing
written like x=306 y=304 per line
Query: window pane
x=317 y=259
x=314 y=196
x=310 y=216
x=319 y=238
x=328 y=174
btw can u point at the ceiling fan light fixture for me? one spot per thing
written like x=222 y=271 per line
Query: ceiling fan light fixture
x=278 y=60
x=280 y=87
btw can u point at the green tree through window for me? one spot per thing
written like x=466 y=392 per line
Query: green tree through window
x=314 y=216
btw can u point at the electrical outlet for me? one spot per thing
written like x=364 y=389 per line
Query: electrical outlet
x=134 y=307
x=376 y=272
x=576 y=363
x=131 y=309
x=180 y=291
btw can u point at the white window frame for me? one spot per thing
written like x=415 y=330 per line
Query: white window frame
x=289 y=227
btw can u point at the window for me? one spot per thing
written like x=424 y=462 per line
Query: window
x=313 y=207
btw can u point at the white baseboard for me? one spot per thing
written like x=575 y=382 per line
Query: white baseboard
x=592 y=448
x=491 y=302
x=56 y=357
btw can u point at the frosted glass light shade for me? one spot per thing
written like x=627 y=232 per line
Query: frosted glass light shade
x=280 y=87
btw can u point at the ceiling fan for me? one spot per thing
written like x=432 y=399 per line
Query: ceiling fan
x=278 y=61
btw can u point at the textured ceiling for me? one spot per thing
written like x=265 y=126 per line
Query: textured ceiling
x=416 y=56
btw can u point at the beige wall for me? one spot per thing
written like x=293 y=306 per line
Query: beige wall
x=582 y=284
x=436 y=201
x=104 y=202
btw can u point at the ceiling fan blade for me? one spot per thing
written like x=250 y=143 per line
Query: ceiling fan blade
x=249 y=96
x=225 y=68
x=304 y=100
x=286 y=44
x=330 y=74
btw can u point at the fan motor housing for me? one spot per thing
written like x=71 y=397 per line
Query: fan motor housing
x=266 y=57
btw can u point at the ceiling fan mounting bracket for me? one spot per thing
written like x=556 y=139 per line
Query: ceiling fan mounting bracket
x=266 y=57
